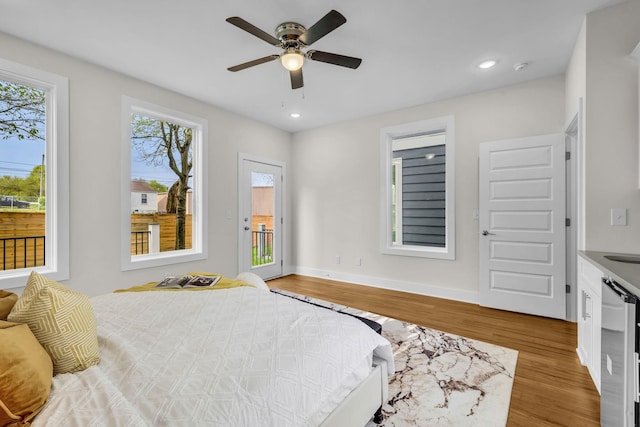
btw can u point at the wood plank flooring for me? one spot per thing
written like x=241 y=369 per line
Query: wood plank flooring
x=551 y=387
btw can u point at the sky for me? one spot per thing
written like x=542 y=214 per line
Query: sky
x=18 y=158
x=163 y=173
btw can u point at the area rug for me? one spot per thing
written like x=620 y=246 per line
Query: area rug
x=441 y=379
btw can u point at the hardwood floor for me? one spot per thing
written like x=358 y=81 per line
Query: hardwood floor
x=551 y=387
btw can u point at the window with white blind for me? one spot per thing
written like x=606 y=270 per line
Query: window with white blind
x=417 y=191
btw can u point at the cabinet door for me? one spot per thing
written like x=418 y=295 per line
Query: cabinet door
x=596 y=317
x=589 y=317
x=585 y=326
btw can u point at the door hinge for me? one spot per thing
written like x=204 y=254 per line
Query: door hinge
x=281 y=262
x=281 y=220
x=568 y=289
x=567 y=222
x=567 y=155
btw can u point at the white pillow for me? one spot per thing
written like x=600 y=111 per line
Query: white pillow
x=253 y=279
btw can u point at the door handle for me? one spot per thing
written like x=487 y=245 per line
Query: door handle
x=246 y=228
x=486 y=233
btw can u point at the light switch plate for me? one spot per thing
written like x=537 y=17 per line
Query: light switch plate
x=618 y=216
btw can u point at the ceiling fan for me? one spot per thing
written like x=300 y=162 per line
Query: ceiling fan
x=292 y=38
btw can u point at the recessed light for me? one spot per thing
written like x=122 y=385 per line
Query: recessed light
x=487 y=64
x=295 y=115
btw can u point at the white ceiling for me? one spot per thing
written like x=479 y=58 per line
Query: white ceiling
x=413 y=51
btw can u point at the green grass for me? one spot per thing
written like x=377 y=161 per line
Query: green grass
x=266 y=259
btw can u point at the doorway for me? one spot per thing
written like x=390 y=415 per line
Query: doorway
x=261 y=220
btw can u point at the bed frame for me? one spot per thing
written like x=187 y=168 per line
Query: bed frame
x=364 y=402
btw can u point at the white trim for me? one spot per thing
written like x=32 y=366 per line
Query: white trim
x=396 y=170
x=57 y=168
x=387 y=135
x=635 y=55
x=199 y=246
x=575 y=206
x=425 y=289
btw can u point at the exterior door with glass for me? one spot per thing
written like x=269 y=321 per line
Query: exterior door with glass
x=260 y=217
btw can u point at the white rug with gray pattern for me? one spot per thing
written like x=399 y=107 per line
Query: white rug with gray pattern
x=441 y=379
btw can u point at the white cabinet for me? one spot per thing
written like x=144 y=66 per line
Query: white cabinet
x=589 y=317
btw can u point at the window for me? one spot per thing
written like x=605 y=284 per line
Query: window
x=34 y=176
x=164 y=153
x=418 y=190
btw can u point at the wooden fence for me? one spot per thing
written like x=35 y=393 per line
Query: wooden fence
x=19 y=247
x=141 y=221
x=22 y=242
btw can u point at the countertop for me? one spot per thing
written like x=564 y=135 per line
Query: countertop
x=627 y=274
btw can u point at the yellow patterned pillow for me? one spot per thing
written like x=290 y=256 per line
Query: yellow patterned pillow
x=63 y=322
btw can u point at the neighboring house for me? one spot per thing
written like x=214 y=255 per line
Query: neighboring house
x=262 y=207
x=162 y=202
x=144 y=199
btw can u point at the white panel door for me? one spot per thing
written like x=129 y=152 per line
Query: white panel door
x=522 y=225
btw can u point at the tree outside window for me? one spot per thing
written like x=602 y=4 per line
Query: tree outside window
x=164 y=184
x=34 y=174
x=159 y=143
x=22 y=176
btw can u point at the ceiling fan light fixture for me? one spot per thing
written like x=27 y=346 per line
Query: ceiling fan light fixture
x=292 y=59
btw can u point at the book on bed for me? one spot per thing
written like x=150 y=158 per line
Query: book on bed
x=188 y=281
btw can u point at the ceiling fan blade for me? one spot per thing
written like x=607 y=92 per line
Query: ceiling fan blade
x=324 y=26
x=253 y=63
x=296 y=79
x=252 y=29
x=334 y=58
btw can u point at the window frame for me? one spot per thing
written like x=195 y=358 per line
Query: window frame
x=396 y=172
x=56 y=88
x=387 y=135
x=199 y=247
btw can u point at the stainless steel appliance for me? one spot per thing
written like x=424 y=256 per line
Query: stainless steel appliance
x=619 y=405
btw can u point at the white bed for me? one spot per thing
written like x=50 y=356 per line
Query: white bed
x=230 y=357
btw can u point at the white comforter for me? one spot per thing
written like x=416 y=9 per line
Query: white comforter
x=237 y=357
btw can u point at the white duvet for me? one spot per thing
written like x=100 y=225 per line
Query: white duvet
x=236 y=357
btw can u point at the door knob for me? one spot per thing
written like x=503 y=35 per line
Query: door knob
x=247 y=228
x=486 y=233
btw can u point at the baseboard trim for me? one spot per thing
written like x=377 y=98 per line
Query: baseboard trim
x=395 y=285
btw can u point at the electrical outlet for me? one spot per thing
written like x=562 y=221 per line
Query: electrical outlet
x=359 y=262
x=337 y=259
x=618 y=216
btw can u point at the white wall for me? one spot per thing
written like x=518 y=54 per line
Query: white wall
x=336 y=184
x=95 y=114
x=576 y=79
x=611 y=123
